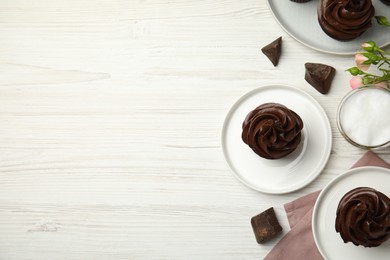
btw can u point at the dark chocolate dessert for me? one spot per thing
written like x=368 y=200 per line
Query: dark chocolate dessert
x=265 y=226
x=320 y=76
x=345 y=19
x=363 y=217
x=273 y=50
x=272 y=130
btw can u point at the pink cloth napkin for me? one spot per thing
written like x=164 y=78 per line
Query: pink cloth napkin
x=299 y=243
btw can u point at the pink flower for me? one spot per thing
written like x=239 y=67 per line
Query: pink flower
x=369 y=46
x=359 y=60
x=356 y=82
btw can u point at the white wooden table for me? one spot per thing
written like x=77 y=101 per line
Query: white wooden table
x=111 y=113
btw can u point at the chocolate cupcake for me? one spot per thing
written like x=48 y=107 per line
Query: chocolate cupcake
x=345 y=20
x=363 y=217
x=272 y=130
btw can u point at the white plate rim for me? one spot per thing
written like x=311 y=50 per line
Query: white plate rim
x=309 y=45
x=324 y=191
x=328 y=145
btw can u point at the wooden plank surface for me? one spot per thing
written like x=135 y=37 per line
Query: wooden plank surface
x=111 y=113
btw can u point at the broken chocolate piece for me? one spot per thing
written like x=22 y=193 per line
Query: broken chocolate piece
x=273 y=50
x=265 y=226
x=320 y=76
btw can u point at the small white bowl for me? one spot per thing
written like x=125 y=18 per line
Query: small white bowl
x=362 y=116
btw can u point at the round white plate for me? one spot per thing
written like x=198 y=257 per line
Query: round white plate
x=299 y=20
x=293 y=171
x=328 y=241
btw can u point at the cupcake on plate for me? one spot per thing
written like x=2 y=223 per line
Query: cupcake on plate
x=345 y=20
x=363 y=217
x=272 y=130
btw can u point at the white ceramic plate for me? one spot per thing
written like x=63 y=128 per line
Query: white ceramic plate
x=329 y=243
x=299 y=20
x=293 y=171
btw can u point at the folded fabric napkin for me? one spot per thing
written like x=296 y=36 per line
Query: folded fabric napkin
x=299 y=243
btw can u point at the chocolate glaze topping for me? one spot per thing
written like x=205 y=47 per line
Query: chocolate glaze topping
x=272 y=130
x=345 y=19
x=363 y=217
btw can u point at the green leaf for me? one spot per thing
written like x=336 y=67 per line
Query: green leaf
x=382 y=20
x=355 y=71
x=372 y=58
x=367 y=80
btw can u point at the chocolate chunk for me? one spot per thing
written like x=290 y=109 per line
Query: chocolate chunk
x=320 y=76
x=273 y=50
x=265 y=226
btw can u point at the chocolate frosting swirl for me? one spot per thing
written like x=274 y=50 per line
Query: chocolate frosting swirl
x=272 y=130
x=363 y=217
x=345 y=19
